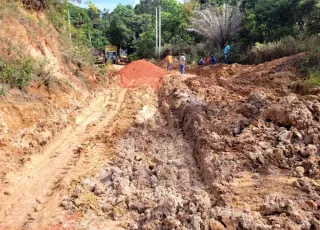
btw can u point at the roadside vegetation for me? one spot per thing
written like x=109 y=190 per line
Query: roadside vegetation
x=18 y=72
x=258 y=30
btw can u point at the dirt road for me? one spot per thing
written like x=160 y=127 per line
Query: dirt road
x=32 y=190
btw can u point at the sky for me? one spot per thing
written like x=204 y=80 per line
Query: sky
x=111 y=4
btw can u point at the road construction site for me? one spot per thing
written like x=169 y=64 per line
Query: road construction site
x=221 y=147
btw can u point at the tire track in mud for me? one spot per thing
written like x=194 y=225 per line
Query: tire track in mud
x=153 y=182
x=35 y=186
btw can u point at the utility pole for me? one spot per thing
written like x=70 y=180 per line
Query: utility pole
x=157 y=43
x=159 y=31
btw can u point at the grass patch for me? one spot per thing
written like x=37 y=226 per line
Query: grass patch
x=263 y=52
x=19 y=72
x=2 y=90
x=308 y=85
x=312 y=82
x=312 y=63
x=311 y=66
x=79 y=54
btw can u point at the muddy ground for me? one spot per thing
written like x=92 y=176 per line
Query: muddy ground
x=229 y=148
x=222 y=147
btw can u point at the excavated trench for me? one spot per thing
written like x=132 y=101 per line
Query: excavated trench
x=153 y=182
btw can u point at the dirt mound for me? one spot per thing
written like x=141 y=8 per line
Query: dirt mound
x=246 y=78
x=141 y=72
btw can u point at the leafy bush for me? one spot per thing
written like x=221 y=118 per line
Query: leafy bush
x=306 y=86
x=263 y=52
x=79 y=53
x=312 y=63
x=18 y=73
x=133 y=57
x=313 y=80
x=2 y=90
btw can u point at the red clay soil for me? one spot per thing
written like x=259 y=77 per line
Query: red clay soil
x=141 y=72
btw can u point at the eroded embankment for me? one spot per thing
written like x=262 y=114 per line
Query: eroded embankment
x=54 y=89
x=50 y=108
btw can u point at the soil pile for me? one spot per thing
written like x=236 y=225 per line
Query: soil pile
x=141 y=72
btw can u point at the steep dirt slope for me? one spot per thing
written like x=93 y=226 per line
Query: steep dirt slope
x=30 y=118
x=44 y=126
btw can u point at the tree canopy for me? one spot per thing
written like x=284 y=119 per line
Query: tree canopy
x=133 y=27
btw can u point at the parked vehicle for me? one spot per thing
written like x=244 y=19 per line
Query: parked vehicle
x=116 y=57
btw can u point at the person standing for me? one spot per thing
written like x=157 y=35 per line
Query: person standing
x=169 y=60
x=182 y=63
x=226 y=52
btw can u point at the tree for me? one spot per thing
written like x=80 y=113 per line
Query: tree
x=119 y=33
x=270 y=20
x=219 y=24
x=312 y=22
x=79 y=16
x=88 y=22
x=145 y=44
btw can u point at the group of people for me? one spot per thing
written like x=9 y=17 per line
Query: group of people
x=207 y=61
x=182 y=59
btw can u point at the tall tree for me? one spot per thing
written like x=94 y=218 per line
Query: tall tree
x=219 y=24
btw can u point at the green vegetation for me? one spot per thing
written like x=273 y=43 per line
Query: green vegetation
x=2 y=90
x=132 y=28
x=313 y=80
x=258 y=31
x=267 y=28
x=312 y=64
x=263 y=52
x=19 y=72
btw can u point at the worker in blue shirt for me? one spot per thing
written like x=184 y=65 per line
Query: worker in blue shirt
x=226 y=52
